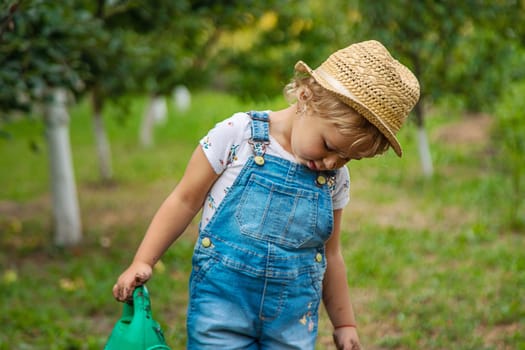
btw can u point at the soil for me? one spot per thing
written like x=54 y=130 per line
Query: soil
x=473 y=129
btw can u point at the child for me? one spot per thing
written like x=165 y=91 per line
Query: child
x=272 y=186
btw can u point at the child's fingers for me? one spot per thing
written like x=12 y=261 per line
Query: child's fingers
x=119 y=292
x=128 y=281
x=116 y=291
x=123 y=291
x=141 y=278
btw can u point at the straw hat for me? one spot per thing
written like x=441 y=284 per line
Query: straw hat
x=367 y=78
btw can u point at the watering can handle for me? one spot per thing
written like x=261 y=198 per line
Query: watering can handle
x=138 y=305
x=141 y=302
x=137 y=330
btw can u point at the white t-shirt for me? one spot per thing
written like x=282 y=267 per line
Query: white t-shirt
x=227 y=149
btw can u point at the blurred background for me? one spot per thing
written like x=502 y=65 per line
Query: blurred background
x=102 y=103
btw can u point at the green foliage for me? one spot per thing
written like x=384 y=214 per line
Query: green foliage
x=509 y=141
x=466 y=47
x=490 y=62
x=308 y=31
x=138 y=15
x=42 y=47
x=121 y=47
x=111 y=47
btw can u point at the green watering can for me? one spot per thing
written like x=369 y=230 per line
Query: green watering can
x=136 y=329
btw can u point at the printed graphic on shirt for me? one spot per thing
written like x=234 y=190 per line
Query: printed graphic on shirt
x=206 y=144
x=259 y=148
x=211 y=202
x=330 y=182
x=232 y=155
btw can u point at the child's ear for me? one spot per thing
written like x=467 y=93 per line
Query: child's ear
x=304 y=94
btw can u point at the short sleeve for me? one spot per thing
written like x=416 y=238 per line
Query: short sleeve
x=341 y=192
x=221 y=144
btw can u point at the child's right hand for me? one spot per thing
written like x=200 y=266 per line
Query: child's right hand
x=346 y=338
x=136 y=275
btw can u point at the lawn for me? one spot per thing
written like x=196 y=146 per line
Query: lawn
x=431 y=261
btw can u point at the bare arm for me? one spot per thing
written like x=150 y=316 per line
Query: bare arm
x=170 y=221
x=336 y=296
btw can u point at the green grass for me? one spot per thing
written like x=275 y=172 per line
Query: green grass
x=431 y=262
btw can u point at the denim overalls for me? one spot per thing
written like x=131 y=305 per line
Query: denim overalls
x=258 y=265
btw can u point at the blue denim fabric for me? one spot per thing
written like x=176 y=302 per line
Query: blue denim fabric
x=258 y=265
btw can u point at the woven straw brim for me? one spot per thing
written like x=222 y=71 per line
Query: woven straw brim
x=360 y=108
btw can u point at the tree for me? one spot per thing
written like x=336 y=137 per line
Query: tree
x=40 y=55
x=152 y=47
x=66 y=213
x=435 y=40
x=102 y=48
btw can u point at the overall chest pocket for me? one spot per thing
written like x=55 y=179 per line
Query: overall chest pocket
x=280 y=214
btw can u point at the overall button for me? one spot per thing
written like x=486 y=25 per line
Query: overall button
x=206 y=242
x=321 y=180
x=319 y=257
x=259 y=160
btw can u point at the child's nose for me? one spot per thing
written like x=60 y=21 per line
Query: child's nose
x=330 y=162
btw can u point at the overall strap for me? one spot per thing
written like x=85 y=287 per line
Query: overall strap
x=260 y=126
x=260 y=134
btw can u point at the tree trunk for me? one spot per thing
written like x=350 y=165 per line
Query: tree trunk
x=154 y=113
x=66 y=213
x=422 y=142
x=182 y=98
x=101 y=140
x=424 y=152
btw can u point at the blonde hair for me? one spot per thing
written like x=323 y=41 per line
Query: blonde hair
x=311 y=96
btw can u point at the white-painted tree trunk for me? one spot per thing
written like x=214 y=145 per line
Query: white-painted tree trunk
x=424 y=152
x=154 y=113
x=103 y=146
x=182 y=98
x=160 y=110
x=66 y=213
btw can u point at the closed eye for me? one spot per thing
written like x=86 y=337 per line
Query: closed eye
x=341 y=155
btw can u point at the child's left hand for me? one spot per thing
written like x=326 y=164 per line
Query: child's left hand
x=346 y=338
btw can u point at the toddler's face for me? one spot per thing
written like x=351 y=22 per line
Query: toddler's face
x=317 y=143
